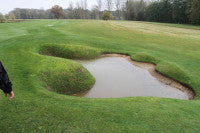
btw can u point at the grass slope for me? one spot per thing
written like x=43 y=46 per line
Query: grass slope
x=174 y=48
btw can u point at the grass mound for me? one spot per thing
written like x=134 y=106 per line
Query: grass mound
x=144 y=58
x=65 y=76
x=70 y=51
x=173 y=71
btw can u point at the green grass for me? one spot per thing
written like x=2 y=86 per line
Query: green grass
x=70 y=51
x=25 y=48
x=65 y=76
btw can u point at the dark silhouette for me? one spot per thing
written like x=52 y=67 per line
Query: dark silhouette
x=5 y=83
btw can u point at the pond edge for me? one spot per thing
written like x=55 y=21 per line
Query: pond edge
x=151 y=68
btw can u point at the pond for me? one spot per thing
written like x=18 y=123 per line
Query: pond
x=120 y=77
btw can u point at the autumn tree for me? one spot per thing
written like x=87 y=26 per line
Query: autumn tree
x=107 y=16
x=57 y=11
x=11 y=16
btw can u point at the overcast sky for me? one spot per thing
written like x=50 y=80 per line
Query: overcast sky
x=8 y=5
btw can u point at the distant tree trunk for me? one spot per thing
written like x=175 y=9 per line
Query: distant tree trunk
x=118 y=5
x=99 y=5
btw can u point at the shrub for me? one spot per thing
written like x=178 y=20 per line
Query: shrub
x=3 y=20
x=107 y=16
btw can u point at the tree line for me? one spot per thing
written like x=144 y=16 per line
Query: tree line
x=174 y=11
x=170 y=11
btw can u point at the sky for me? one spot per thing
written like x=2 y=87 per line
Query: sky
x=8 y=5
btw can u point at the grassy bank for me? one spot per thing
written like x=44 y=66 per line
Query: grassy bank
x=39 y=57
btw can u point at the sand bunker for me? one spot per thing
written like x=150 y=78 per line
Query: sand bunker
x=119 y=76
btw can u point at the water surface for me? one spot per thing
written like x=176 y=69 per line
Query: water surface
x=117 y=77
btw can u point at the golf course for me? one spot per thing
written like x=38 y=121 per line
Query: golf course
x=40 y=59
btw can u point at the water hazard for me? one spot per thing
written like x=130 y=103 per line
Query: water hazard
x=117 y=77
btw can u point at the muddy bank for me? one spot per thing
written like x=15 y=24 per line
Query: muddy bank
x=145 y=66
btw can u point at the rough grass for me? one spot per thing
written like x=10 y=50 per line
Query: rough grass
x=174 y=48
x=173 y=71
x=144 y=58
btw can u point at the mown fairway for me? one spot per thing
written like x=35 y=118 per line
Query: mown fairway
x=174 y=48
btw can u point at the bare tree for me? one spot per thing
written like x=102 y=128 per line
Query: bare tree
x=71 y=6
x=109 y=4
x=118 y=6
x=84 y=8
x=85 y=4
x=99 y=6
x=78 y=4
x=1 y=16
x=94 y=12
x=71 y=10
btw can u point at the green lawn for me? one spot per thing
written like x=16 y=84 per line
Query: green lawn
x=31 y=51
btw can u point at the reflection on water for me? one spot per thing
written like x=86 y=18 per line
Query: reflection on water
x=117 y=77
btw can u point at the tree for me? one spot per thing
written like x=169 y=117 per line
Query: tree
x=2 y=18
x=179 y=11
x=57 y=11
x=84 y=4
x=78 y=11
x=70 y=11
x=195 y=12
x=11 y=16
x=118 y=5
x=151 y=12
x=83 y=9
x=109 y=5
x=129 y=10
x=165 y=10
x=6 y=16
x=159 y=11
x=107 y=16
x=17 y=14
x=140 y=10
x=175 y=11
x=99 y=6
x=94 y=13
